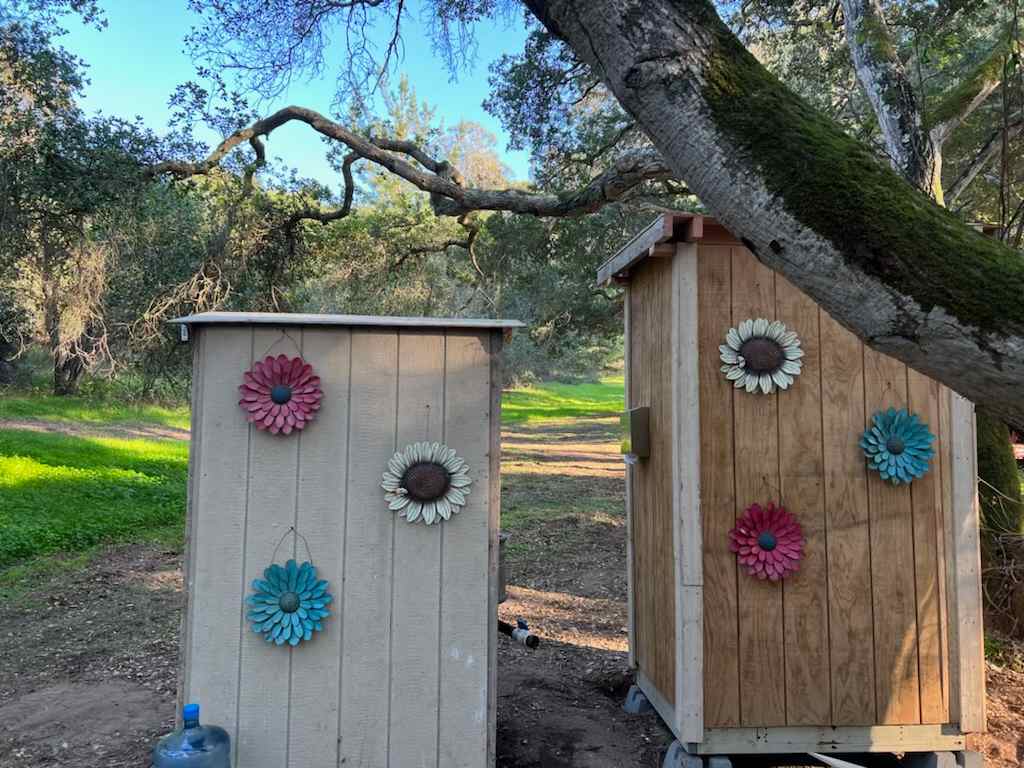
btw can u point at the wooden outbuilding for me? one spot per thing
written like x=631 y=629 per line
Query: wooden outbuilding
x=402 y=671
x=875 y=643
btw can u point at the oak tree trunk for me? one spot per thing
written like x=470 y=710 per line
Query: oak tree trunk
x=812 y=203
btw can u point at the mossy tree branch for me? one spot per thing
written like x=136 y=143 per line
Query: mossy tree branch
x=811 y=202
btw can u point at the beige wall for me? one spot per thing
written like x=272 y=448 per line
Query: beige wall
x=401 y=674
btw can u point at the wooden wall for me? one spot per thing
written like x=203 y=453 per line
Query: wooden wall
x=650 y=480
x=857 y=637
x=405 y=678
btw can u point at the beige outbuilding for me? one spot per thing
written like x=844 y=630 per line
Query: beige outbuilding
x=402 y=672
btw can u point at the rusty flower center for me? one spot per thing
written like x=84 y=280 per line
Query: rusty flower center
x=762 y=355
x=289 y=602
x=766 y=541
x=425 y=481
x=281 y=394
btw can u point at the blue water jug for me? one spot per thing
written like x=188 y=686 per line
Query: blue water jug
x=194 y=746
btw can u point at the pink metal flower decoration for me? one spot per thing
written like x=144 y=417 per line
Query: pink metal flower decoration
x=768 y=541
x=281 y=394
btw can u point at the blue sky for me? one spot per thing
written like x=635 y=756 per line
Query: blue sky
x=135 y=63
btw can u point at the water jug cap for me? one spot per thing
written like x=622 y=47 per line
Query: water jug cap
x=190 y=712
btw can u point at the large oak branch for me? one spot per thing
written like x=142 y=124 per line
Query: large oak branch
x=900 y=272
x=448 y=194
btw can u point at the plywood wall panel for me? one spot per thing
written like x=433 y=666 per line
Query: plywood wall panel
x=859 y=635
x=851 y=616
x=801 y=463
x=756 y=430
x=897 y=690
x=717 y=492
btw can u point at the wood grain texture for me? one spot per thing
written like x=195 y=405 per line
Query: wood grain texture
x=687 y=536
x=756 y=428
x=466 y=623
x=948 y=543
x=801 y=462
x=897 y=690
x=218 y=527
x=266 y=667
x=926 y=497
x=416 y=585
x=717 y=493
x=966 y=556
x=366 y=642
x=654 y=558
x=851 y=617
x=321 y=513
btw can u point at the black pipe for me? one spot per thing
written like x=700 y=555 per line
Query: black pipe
x=520 y=633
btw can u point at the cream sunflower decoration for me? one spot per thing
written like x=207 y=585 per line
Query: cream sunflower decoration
x=426 y=481
x=759 y=354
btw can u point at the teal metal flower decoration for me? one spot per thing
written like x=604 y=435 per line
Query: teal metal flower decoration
x=898 y=445
x=288 y=604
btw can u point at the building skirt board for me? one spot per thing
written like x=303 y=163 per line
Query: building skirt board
x=879 y=738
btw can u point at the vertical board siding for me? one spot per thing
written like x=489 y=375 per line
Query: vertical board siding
x=465 y=631
x=416 y=585
x=756 y=428
x=650 y=299
x=926 y=499
x=948 y=547
x=218 y=529
x=801 y=463
x=851 y=618
x=717 y=492
x=859 y=635
x=897 y=686
x=266 y=667
x=366 y=643
x=406 y=678
x=321 y=514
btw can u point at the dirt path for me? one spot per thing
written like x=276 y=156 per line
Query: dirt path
x=126 y=429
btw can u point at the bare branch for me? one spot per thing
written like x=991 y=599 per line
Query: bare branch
x=324 y=217
x=449 y=197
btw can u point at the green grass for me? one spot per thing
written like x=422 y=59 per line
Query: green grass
x=561 y=401
x=83 y=410
x=63 y=493
x=67 y=494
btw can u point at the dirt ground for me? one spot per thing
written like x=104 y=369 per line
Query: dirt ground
x=88 y=660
